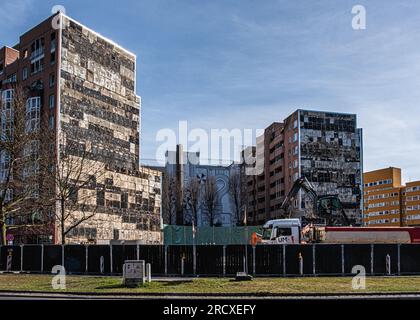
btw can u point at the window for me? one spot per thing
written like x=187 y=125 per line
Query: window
x=52 y=122
x=52 y=101
x=52 y=58
x=37 y=66
x=31 y=153
x=10 y=79
x=52 y=80
x=295 y=124
x=1 y=68
x=124 y=200
x=33 y=110
x=282 y=232
x=53 y=42
x=7 y=99
x=295 y=137
x=37 y=48
x=116 y=234
x=4 y=165
x=7 y=115
x=25 y=73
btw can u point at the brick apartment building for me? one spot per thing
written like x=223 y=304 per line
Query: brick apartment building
x=325 y=147
x=85 y=85
x=387 y=202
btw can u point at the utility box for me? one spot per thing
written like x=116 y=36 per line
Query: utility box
x=134 y=273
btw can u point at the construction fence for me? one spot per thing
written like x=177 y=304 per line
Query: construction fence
x=183 y=235
x=216 y=260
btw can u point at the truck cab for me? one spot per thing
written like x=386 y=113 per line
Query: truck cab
x=281 y=231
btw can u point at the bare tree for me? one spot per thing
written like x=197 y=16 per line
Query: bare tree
x=169 y=194
x=71 y=189
x=210 y=198
x=19 y=159
x=237 y=196
x=193 y=198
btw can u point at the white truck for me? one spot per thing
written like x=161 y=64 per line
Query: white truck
x=289 y=231
x=281 y=231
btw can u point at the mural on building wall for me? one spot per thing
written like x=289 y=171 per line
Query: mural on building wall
x=223 y=213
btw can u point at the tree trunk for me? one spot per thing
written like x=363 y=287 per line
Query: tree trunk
x=63 y=236
x=3 y=234
x=3 y=227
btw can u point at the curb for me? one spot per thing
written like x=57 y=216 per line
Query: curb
x=210 y=294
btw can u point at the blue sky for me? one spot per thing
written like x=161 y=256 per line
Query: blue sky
x=246 y=63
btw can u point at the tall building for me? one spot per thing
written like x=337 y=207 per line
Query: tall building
x=184 y=166
x=387 y=202
x=85 y=86
x=324 y=147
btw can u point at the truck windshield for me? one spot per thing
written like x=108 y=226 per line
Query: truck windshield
x=267 y=232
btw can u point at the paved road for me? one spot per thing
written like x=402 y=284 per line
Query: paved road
x=26 y=296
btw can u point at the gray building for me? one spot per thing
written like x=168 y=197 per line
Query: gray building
x=330 y=155
x=185 y=166
x=324 y=147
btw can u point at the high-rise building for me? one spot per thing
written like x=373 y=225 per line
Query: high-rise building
x=84 y=85
x=324 y=147
x=387 y=202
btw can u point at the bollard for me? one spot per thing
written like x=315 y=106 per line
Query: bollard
x=300 y=258
x=149 y=272
x=102 y=265
x=388 y=264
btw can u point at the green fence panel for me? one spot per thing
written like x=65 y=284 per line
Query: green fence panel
x=182 y=235
x=222 y=236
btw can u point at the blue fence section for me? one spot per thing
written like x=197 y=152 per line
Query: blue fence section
x=216 y=260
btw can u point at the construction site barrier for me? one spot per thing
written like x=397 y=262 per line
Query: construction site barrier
x=216 y=260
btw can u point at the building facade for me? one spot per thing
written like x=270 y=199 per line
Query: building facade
x=185 y=166
x=86 y=97
x=324 y=147
x=387 y=202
